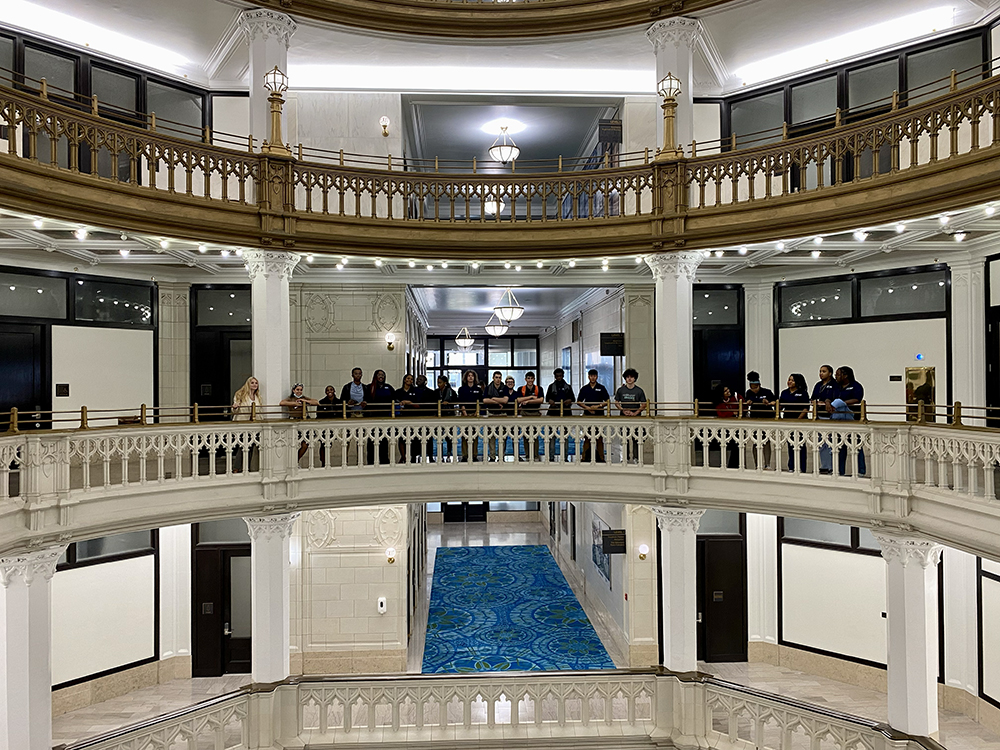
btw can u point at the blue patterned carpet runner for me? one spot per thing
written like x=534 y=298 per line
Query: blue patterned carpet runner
x=506 y=608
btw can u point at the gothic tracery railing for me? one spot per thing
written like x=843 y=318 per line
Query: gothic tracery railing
x=60 y=161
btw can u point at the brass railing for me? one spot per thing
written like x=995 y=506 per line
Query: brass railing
x=69 y=162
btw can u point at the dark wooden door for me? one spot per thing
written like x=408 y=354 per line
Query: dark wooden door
x=722 y=599
x=23 y=383
x=221 y=642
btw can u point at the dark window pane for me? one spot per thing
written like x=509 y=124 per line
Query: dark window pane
x=872 y=86
x=6 y=60
x=116 y=544
x=815 y=301
x=106 y=302
x=58 y=71
x=716 y=307
x=866 y=540
x=223 y=307
x=719 y=522
x=751 y=116
x=113 y=89
x=226 y=530
x=927 y=72
x=178 y=112
x=514 y=506
x=812 y=101
x=909 y=293
x=32 y=296
x=817 y=531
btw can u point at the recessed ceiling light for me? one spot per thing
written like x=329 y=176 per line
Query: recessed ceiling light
x=743 y=250
x=494 y=127
x=780 y=247
x=900 y=228
x=340 y=266
x=944 y=219
x=959 y=236
x=506 y=264
x=719 y=253
x=81 y=234
x=123 y=252
x=444 y=264
x=412 y=264
x=202 y=249
x=816 y=253
x=539 y=264
x=475 y=264
x=990 y=210
x=817 y=240
x=430 y=267
x=860 y=235
x=37 y=223
x=310 y=258
x=517 y=268
x=378 y=262
x=232 y=295
x=344 y=260
x=164 y=244
x=239 y=252
x=572 y=264
x=224 y=253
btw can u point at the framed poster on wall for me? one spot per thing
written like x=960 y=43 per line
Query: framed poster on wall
x=601 y=560
x=564 y=515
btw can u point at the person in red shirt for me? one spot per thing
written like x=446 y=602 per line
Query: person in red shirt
x=727 y=406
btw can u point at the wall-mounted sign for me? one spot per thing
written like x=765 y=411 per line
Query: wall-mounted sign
x=613 y=344
x=609 y=131
x=613 y=541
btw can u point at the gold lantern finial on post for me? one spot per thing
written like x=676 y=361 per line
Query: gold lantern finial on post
x=669 y=88
x=277 y=83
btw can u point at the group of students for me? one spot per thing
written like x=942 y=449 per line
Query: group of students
x=414 y=398
x=837 y=396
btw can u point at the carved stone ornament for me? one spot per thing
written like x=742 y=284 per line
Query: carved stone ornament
x=30 y=565
x=678 y=31
x=173 y=299
x=320 y=313
x=669 y=519
x=262 y=528
x=321 y=528
x=389 y=527
x=263 y=24
x=269 y=262
x=675 y=265
x=908 y=550
x=385 y=312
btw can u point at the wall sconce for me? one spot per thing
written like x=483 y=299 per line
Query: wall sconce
x=643 y=551
x=390 y=555
x=384 y=122
x=390 y=341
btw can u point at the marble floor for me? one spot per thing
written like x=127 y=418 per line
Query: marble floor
x=958 y=732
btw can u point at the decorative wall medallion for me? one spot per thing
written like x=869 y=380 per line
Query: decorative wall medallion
x=320 y=313
x=385 y=312
x=321 y=528
x=388 y=526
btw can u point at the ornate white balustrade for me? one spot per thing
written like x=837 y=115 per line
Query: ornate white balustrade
x=938 y=481
x=637 y=708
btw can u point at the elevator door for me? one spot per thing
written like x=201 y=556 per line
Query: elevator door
x=22 y=376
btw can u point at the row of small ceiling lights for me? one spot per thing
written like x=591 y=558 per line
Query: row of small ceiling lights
x=444 y=264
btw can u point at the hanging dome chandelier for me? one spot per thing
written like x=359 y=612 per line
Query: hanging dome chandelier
x=506 y=150
x=508 y=309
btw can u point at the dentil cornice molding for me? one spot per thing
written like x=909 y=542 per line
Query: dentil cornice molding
x=675 y=265
x=669 y=519
x=264 y=24
x=30 y=565
x=262 y=528
x=676 y=31
x=267 y=262
x=906 y=550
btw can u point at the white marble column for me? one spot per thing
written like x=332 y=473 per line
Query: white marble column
x=968 y=335
x=912 y=625
x=759 y=306
x=673 y=41
x=174 y=331
x=25 y=649
x=269 y=272
x=267 y=33
x=674 y=274
x=270 y=586
x=961 y=621
x=762 y=578
x=678 y=586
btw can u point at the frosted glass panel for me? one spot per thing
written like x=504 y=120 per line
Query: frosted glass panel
x=925 y=70
x=227 y=530
x=763 y=113
x=720 y=522
x=872 y=86
x=240 y=597
x=817 y=531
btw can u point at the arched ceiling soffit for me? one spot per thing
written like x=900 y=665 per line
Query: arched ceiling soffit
x=486 y=19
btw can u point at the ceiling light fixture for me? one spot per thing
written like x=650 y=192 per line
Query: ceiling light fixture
x=475 y=264
x=224 y=253
x=959 y=236
x=202 y=249
x=816 y=253
x=990 y=210
x=444 y=264
x=572 y=264
x=492 y=207
x=340 y=266
x=539 y=264
x=506 y=151
x=719 y=253
x=164 y=244
x=37 y=223
x=900 y=228
x=124 y=252
x=860 y=235
x=378 y=262
x=780 y=247
x=430 y=267
x=508 y=310
x=239 y=252
x=817 y=240
x=344 y=260
x=496 y=327
x=310 y=258
x=517 y=267
x=412 y=264
x=80 y=234
x=742 y=250
x=506 y=264
x=944 y=220
x=464 y=340
x=384 y=122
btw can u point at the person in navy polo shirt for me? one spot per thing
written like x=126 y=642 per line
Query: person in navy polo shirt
x=594 y=398
x=852 y=393
x=825 y=392
x=760 y=402
x=794 y=404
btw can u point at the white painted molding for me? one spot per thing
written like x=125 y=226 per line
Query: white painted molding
x=30 y=565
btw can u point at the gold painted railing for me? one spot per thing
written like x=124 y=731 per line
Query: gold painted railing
x=488 y=18
x=59 y=161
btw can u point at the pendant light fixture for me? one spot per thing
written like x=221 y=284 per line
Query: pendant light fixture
x=492 y=206
x=496 y=327
x=507 y=308
x=505 y=151
x=464 y=340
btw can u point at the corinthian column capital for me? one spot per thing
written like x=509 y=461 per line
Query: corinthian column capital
x=30 y=566
x=270 y=527
x=260 y=23
x=679 y=32
x=269 y=262
x=675 y=265
x=678 y=518
x=906 y=550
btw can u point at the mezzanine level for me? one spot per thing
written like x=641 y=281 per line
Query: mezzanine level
x=932 y=480
x=904 y=162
